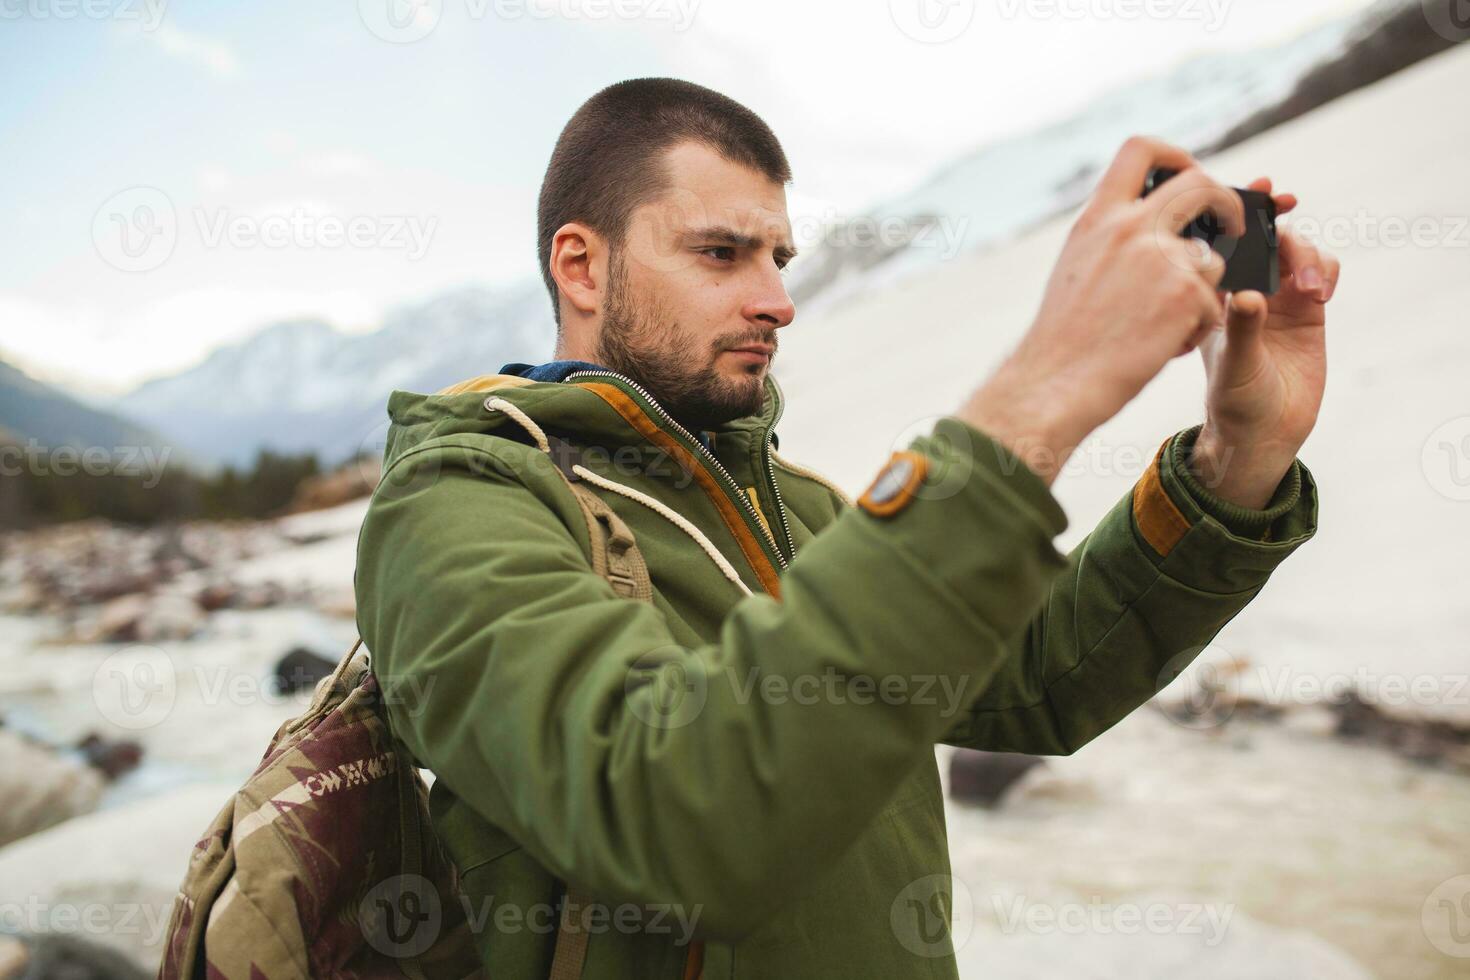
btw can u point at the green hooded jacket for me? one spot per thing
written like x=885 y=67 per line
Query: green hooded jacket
x=741 y=774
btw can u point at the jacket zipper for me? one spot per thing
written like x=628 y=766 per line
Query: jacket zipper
x=731 y=487
x=771 y=469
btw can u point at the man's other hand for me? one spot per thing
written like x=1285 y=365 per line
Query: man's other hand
x=1266 y=368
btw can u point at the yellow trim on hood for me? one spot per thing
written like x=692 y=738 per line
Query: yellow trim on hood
x=487 y=382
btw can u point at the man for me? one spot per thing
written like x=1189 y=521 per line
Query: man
x=745 y=766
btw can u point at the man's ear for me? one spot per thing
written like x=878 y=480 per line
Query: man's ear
x=579 y=266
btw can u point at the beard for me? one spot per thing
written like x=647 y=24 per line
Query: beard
x=643 y=341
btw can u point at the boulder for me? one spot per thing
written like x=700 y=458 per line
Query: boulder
x=109 y=877
x=301 y=669
x=111 y=758
x=65 y=957
x=15 y=956
x=117 y=622
x=41 y=788
x=985 y=777
x=143 y=618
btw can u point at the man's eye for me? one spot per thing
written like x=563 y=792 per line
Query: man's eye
x=721 y=253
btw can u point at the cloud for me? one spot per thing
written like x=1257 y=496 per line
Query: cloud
x=216 y=57
x=106 y=351
x=215 y=179
x=48 y=335
x=340 y=163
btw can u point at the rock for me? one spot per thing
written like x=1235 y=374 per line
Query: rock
x=1426 y=740
x=233 y=595
x=260 y=595
x=984 y=777
x=143 y=618
x=112 y=759
x=1398 y=36
x=301 y=669
x=175 y=553
x=87 y=562
x=22 y=597
x=41 y=788
x=14 y=955
x=70 y=957
x=122 y=864
x=170 y=617
x=217 y=596
x=118 y=620
x=338 y=603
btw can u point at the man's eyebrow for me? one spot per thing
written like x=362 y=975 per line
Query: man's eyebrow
x=725 y=235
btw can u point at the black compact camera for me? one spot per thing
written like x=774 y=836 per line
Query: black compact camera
x=1251 y=261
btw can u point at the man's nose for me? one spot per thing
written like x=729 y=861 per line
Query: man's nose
x=771 y=305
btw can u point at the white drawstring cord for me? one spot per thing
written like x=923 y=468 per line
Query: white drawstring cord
x=501 y=405
x=526 y=422
x=679 y=519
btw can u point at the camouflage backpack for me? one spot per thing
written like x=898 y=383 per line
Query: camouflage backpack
x=324 y=863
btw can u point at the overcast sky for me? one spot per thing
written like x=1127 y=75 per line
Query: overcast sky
x=178 y=175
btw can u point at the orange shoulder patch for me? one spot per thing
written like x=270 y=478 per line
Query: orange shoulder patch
x=896 y=484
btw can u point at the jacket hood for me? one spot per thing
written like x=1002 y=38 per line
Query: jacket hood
x=587 y=409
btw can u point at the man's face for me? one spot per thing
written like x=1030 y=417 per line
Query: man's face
x=697 y=277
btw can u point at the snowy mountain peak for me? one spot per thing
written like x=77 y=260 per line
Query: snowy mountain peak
x=304 y=386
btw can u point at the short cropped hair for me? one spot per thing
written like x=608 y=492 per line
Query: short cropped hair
x=607 y=160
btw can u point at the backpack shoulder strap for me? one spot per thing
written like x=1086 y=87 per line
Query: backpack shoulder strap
x=615 y=556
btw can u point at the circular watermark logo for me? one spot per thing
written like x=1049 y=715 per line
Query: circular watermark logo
x=401 y=917
x=1446 y=917
x=414 y=472
x=1210 y=687
x=1445 y=459
x=400 y=21
x=933 y=916
x=1450 y=19
x=949 y=470
x=135 y=230
x=932 y=21
x=1192 y=211
x=136 y=687
x=677 y=694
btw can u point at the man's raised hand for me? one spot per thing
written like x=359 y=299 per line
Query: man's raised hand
x=1126 y=296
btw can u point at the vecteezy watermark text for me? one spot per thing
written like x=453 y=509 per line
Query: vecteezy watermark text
x=407 y=21
x=34 y=459
x=679 y=690
x=1211 y=13
x=147 y=14
x=300 y=228
x=1099 y=917
x=34 y=916
x=137 y=229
